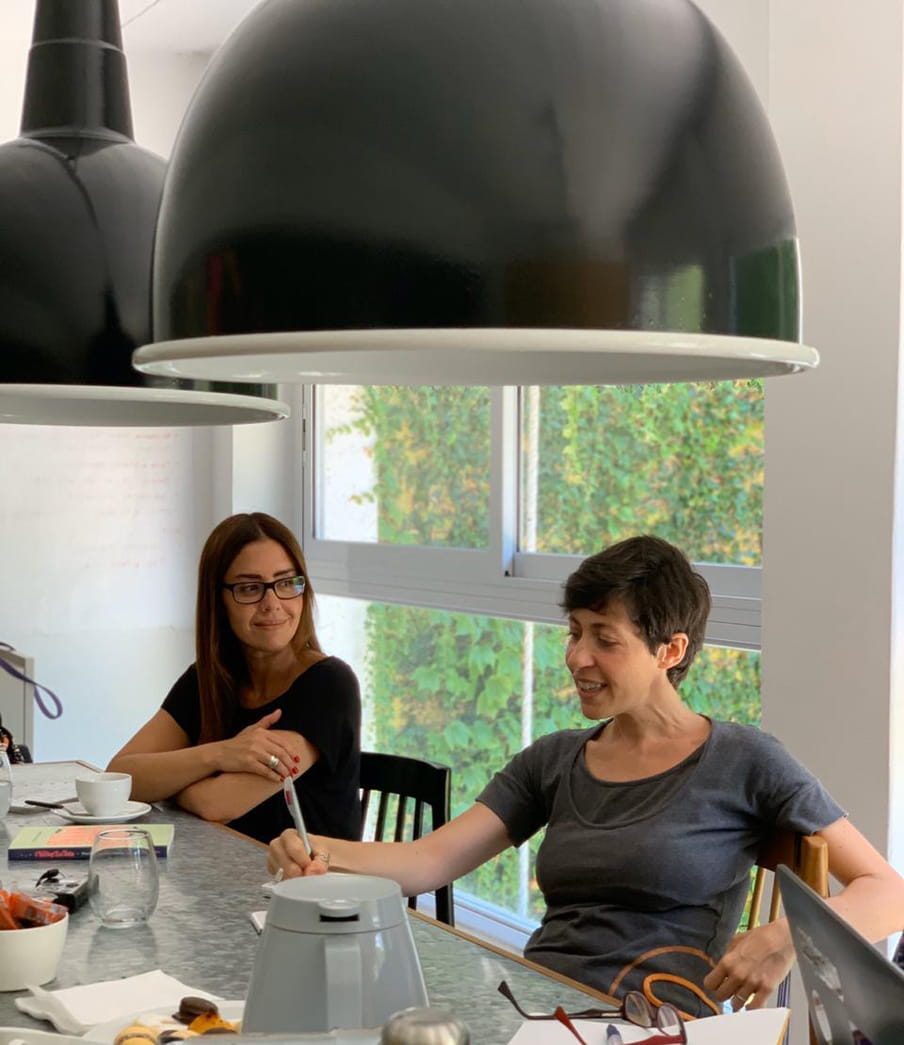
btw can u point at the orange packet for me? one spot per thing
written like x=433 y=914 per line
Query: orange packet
x=7 y=918
x=32 y=911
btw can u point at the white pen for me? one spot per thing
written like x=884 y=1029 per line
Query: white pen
x=295 y=810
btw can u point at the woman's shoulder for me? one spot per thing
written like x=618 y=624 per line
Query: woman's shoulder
x=740 y=732
x=186 y=685
x=539 y=768
x=557 y=744
x=747 y=739
x=327 y=670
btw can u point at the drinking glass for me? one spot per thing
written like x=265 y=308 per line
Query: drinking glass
x=123 y=877
x=6 y=784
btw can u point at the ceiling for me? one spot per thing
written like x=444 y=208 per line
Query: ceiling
x=174 y=26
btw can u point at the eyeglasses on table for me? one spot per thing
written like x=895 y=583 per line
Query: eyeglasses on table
x=634 y=1008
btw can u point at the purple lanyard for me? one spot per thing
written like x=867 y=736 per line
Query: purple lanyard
x=39 y=689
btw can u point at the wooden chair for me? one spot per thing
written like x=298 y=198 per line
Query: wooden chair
x=398 y=780
x=808 y=858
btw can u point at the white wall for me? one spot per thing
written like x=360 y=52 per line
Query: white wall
x=832 y=639
x=12 y=84
x=832 y=572
x=831 y=76
x=100 y=529
x=162 y=86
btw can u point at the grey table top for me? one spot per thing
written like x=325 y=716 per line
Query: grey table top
x=201 y=934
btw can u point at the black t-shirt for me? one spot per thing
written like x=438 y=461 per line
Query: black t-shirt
x=324 y=705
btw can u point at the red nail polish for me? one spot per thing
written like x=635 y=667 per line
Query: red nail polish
x=294 y=771
x=297 y=759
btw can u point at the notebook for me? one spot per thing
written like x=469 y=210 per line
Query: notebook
x=73 y=841
x=854 y=993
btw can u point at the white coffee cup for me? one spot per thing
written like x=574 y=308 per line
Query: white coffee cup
x=104 y=794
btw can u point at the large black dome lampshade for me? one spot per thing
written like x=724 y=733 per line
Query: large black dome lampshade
x=476 y=192
x=78 y=208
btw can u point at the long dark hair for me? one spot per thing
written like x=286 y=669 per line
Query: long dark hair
x=221 y=666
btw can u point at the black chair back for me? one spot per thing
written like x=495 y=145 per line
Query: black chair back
x=399 y=781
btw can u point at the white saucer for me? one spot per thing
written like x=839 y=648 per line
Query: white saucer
x=76 y=813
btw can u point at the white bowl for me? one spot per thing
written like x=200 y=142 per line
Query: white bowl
x=31 y=956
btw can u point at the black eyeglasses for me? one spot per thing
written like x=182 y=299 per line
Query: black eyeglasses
x=246 y=592
x=634 y=1009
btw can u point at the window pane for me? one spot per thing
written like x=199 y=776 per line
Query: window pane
x=446 y=687
x=405 y=466
x=470 y=691
x=682 y=461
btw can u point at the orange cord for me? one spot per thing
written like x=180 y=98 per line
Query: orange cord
x=668 y=977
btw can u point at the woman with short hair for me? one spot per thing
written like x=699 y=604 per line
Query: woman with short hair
x=653 y=816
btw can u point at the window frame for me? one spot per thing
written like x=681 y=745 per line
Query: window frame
x=499 y=580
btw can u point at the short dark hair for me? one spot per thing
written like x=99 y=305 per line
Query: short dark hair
x=658 y=587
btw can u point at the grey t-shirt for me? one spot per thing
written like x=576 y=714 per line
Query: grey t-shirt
x=647 y=879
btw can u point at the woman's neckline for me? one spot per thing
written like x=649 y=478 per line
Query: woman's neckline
x=693 y=755
x=318 y=658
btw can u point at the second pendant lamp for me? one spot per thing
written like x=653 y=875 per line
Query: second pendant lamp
x=78 y=208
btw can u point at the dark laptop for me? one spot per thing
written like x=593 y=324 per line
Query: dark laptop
x=855 y=994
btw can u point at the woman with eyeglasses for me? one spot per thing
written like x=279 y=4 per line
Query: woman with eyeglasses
x=653 y=816
x=261 y=703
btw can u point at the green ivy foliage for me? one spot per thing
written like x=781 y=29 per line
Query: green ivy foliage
x=681 y=461
x=431 y=449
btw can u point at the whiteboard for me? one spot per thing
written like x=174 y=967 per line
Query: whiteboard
x=97 y=529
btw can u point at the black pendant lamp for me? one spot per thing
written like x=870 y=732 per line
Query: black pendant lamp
x=476 y=192
x=78 y=207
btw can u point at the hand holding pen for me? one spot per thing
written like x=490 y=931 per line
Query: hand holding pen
x=295 y=809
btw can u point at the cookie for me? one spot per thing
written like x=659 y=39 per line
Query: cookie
x=191 y=1006
x=174 y=1034
x=210 y=1021
x=136 y=1034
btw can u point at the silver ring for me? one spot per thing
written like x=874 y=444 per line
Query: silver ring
x=273 y=761
x=278 y=874
x=738 y=1001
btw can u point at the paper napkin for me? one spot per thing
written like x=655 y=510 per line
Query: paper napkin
x=74 y=1010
